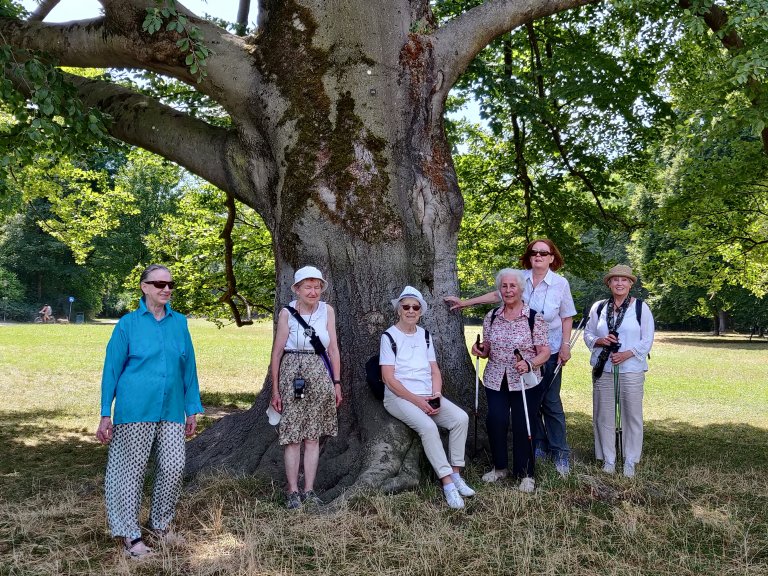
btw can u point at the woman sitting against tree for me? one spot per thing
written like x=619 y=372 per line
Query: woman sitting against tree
x=550 y=295
x=306 y=385
x=413 y=394
x=620 y=335
x=513 y=347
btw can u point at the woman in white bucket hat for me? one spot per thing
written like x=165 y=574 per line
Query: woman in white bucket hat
x=413 y=394
x=306 y=385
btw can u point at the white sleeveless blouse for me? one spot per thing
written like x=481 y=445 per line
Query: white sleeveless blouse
x=318 y=320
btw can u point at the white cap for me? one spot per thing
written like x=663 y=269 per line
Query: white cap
x=308 y=272
x=410 y=292
x=273 y=415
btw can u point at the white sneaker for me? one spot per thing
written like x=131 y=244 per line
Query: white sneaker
x=453 y=498
x=609 y=467
x=494 y=475
x=463 y=488
x=527 y=485
x=629 y=469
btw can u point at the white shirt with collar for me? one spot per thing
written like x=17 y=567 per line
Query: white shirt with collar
x=553 y=300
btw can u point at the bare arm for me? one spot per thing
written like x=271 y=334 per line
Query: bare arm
x=333 y=355
x=278 y=347
x=457 y=303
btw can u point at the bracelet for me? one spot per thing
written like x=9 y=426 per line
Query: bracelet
x=337 y=382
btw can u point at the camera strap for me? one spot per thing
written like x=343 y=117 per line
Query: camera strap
x=613 y=321
x=314 y=339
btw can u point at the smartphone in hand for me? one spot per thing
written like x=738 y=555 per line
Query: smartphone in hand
x=434 y=402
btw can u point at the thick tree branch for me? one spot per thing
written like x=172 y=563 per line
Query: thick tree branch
x=717 y=20
x=461 y=39
x=117 y=40
x=43 y=10
x=142 y=121
x=241 y=23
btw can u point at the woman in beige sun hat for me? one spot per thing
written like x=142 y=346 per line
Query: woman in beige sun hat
x=620 y=334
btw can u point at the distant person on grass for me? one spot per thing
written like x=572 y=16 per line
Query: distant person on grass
x=306 y=384
x=620 y=342
x=413 y=394
x=46 y=313
x=151 y=376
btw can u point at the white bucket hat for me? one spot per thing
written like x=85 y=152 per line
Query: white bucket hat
x=410 y=292
x=308 y=272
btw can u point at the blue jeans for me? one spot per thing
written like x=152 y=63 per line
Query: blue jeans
x=549 y=431
x=500 y=404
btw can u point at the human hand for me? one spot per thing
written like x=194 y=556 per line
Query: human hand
x=105 y=429
x=454 y=302
x=522 y=367
x=422 y=402
x=276 y=402
x=564 y=354
x=337 y=390
x=619 y=357
x=481 y=350
x=190 y=425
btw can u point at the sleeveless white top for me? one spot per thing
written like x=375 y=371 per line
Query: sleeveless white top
x=318 y=320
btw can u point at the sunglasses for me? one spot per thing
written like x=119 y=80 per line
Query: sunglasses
x=540 y=253
x=161 y=284
x=406 y=307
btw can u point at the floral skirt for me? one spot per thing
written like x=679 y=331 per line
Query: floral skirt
x=313 y=416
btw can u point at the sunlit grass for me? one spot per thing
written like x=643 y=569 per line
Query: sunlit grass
x=699 y=504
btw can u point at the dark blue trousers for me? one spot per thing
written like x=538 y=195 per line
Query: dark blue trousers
x=501 y=404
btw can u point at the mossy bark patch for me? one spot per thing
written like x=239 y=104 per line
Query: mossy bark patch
x=339 y=168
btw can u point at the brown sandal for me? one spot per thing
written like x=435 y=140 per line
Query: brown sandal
x=136 y=549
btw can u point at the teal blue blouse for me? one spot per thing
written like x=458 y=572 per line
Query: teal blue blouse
x=149 y=370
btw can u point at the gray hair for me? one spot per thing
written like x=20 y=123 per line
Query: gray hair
x=516 y=274
x=149 y=269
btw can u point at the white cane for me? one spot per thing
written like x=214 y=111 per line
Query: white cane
x=477 y=390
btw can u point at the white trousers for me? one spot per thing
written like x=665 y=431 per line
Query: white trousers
x=450 y=417
x=604 y=416
x=129 y=453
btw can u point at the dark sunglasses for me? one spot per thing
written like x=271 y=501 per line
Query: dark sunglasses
x=416 y=307
x=160 y=284
x=540 y=253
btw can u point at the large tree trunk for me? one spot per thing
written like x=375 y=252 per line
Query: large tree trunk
x=366 y=191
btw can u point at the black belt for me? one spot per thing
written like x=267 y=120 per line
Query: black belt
x=300 y=352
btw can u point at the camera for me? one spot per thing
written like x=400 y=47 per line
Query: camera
x=434 y=402
x=298 y=388
x=616 y=345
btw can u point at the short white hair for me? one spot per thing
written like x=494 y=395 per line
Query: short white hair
x=516 y=274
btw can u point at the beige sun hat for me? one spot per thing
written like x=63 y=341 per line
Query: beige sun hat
x=410 y=292
x=619 y=270
x=308 y=272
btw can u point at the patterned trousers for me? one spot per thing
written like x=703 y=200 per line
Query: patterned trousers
x=129 y=453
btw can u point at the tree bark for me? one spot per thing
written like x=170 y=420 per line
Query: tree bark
x=337 y=141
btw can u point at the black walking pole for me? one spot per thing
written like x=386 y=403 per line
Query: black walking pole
x=477 y=390
x=617 y=413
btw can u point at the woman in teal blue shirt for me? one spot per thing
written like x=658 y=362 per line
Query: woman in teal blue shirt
x=151 y=378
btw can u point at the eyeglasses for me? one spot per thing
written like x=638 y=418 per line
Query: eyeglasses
x=540 y=253
x=160 y=284
x=406 y=307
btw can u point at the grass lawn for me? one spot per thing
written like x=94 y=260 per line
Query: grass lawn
x=699 y=504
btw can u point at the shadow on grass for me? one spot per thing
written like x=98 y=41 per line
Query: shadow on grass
x=736 y=447
x=35 y=454
x=742 y=343
x=234 y=399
